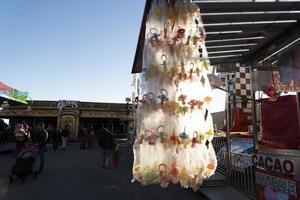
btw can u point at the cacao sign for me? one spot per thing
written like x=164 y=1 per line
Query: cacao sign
x=285 y=166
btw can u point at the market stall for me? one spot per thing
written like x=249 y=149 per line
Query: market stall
x=242 y=38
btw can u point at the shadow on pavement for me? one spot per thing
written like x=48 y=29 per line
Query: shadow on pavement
x=77 y=175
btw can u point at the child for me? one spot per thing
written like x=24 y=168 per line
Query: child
x=116 y=155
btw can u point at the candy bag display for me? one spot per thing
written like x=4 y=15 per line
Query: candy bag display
x=174 y=124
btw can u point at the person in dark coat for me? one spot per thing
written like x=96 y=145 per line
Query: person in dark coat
x=64 y=136
x=20 y=136
x=116 y=154
x=83 y=137
x=91 y=138
x=106 y=143
x=39 y=137
x=55 y=139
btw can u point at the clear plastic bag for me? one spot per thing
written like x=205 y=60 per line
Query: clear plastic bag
x=174 y=124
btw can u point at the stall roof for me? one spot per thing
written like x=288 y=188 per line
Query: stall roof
x=242 y=31
x=11 y=95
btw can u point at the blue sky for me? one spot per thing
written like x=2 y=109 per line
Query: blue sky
x=69 y=49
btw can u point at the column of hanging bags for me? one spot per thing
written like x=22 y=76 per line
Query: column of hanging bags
x=174 y=124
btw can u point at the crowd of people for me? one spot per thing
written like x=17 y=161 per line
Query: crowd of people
x=50 y=138
x=87 y=138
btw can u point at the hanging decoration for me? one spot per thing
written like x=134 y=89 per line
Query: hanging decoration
x=174 y=124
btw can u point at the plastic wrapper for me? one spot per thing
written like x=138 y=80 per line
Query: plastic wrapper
x=174 y=124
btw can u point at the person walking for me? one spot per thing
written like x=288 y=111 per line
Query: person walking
x=83 y=137
x=106 y=143
x=5 y=134
x=55 y=139
x=91 y=138
x=39 y=137
x=20 y=137
x=50 y=129
x=116 y=154
x=64 y=136
x=26 y=129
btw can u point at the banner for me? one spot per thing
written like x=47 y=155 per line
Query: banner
x=263 y=79
x=13 y=94
x=291 y=86
x=271 y=186
x=215 y=81
x=5 y=87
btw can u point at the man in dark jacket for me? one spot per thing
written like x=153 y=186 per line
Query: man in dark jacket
x=64 y=136
x=83 y=137
x=39 y=137
x=106 y=144
x=55 y=138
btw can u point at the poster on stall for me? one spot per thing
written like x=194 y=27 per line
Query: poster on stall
x=289 y=86
x=273 y=186
x=289 y=68
x=263 y=79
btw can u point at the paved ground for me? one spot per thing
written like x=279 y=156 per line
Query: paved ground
x=76 y=175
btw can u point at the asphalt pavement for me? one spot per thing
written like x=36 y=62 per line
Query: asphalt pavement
x=77 y=175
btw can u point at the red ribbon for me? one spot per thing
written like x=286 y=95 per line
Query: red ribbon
x=193 y=103
x=182 y=74
x=174 y=171
x=174 y=139
x=182 y=98
x=199 y=104
x=179 y=35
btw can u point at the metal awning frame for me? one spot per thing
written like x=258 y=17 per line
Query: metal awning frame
x=268 y=34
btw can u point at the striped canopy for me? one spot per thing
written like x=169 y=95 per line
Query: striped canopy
x=13 y=96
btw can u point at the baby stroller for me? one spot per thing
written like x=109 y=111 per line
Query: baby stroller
x=24 y=163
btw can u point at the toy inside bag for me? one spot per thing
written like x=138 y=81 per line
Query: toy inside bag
x=174 y=124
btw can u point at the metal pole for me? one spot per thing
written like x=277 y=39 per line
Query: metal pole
x=254 y=119
x=228 y=140
x=298 y=106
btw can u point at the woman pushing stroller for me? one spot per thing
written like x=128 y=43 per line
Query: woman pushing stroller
x=21 y=137
x=39 y=137
x=34 y=145
x=24 y=163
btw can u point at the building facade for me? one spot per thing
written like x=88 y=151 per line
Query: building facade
x=118 y=118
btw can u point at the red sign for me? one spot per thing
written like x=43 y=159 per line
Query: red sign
x=279 y=122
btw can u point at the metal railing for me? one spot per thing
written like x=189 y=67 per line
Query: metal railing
x=242 y=173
